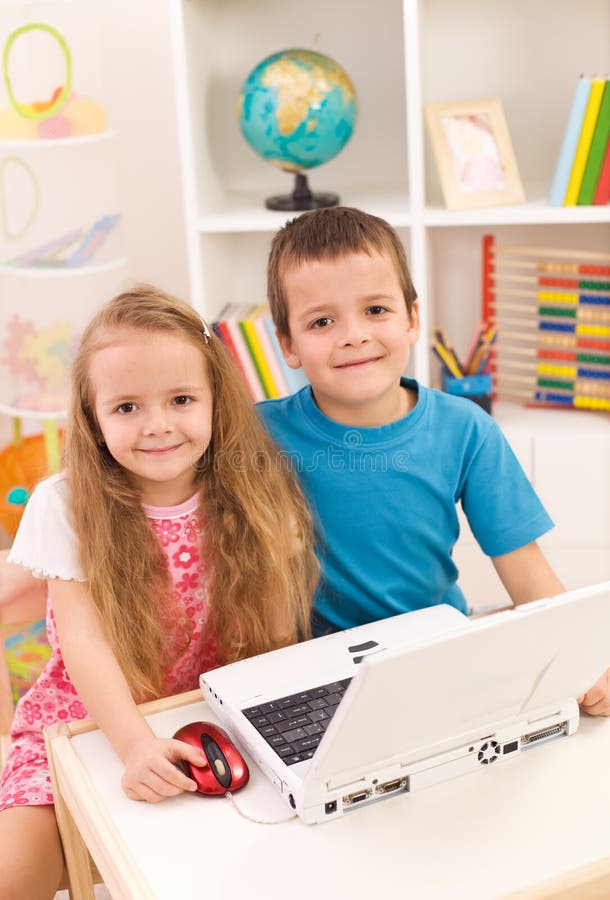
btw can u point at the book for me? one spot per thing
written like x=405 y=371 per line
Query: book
x=563 y=166
x=599 y=143
x=584 y=141
x=233 y=324
x=268 y=350
x=258 y=357
x=602 y=190
x=248 y=334
x=295 y=378
x=221 y=329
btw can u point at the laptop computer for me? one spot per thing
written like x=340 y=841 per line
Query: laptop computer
x=381 y=710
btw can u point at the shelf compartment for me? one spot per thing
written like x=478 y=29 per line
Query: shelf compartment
x=223 y=162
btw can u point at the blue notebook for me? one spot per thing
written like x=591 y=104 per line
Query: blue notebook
x=295 y=378
x=563 y=167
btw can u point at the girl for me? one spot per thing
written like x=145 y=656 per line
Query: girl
x=165 y=546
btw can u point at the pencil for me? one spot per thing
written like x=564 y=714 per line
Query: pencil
x=443 y=340
x=474 y=344
x=447 y=359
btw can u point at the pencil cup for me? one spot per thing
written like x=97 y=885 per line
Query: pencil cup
x=477 y=388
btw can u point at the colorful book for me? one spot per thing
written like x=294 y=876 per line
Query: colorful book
x=249 y=336
x=584 y=141
x=599 y=143
x=602 y=190
x=565 y=158
x=233 y=323
x=295 y=378
x=270 y=355
x=221 y=329
x=256 y=351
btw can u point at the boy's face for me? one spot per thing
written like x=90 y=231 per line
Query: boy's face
x=350 y=330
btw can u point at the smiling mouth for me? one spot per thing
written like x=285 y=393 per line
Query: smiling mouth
x=356 y=363
x=159 y=451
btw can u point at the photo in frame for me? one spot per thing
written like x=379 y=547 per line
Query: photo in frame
x=474 y=154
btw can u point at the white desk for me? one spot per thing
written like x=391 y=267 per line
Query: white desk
x=540 y=816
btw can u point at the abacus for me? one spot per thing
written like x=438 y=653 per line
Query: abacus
x=551 y=309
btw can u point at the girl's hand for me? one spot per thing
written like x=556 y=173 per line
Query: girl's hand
x=151 y=772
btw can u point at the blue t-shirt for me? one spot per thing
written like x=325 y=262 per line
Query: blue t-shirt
x=384 y=501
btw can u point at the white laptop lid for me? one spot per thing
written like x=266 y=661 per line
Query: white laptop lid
x=523 y=661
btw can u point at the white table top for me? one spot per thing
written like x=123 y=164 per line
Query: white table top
x=479 y=836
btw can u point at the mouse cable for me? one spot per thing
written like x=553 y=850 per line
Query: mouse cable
x=244 y=815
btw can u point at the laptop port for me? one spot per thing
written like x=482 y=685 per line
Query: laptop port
x=357 y=796
x=330 y=807
x=543 y=733
x=397 y=784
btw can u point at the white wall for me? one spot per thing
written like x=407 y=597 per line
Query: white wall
x=138 y=83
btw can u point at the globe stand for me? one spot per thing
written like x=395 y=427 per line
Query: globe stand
x=301 y=198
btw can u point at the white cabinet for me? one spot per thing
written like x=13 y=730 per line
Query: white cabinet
x=402 y=54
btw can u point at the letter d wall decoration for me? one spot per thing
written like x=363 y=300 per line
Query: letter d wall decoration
x=19 y=197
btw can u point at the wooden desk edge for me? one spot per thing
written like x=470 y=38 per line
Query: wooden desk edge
x=590 y=882
x=76 y=806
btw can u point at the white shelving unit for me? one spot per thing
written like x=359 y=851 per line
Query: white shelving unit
x=400 y=54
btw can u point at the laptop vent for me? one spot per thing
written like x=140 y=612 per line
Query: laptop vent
x=488 y=753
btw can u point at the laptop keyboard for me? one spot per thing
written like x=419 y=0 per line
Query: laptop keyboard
x=295 y=725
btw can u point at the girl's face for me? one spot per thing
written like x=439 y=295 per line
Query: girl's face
x=153 y=404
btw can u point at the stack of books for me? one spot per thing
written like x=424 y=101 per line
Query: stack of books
x=582 y=173
x=248 y=333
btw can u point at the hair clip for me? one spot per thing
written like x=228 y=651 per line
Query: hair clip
x=206 y=330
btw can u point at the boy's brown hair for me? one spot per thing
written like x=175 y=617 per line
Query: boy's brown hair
x=329 y=234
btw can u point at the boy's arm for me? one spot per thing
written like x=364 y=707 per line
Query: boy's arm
x=150 y=771
x=527 y=575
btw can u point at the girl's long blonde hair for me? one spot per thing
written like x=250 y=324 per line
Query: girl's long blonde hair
x=257 y=532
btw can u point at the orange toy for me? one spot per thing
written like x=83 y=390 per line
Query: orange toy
x=22 y=465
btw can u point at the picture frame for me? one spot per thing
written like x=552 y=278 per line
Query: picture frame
x=474 y=153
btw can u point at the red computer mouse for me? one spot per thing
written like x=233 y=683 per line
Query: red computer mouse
x=225 y=768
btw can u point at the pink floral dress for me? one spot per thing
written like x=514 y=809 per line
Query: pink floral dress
x=42 y=546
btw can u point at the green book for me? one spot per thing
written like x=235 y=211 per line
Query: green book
x=599 y=142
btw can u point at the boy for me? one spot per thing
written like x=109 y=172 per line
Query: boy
x=383 y=460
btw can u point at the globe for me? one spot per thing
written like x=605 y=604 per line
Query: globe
x=297 y=109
